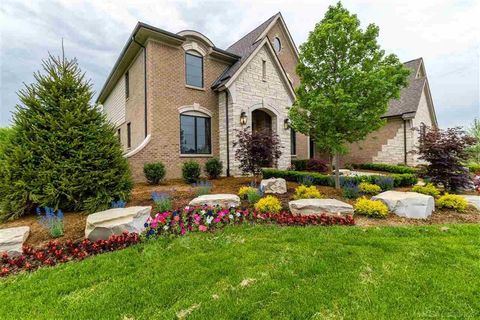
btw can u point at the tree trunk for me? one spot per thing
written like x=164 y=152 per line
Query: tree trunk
x=337 y=170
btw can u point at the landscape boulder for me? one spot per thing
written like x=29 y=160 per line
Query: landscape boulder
x=223 y=200
x=274 y=185
x=319 y=206
x=103 y=224
x=473 y=200
x=408 y=204
x=12 y=239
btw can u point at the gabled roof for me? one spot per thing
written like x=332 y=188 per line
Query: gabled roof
x=243 y=48
x=411 y=94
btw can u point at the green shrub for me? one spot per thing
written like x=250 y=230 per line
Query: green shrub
x=428 y=189
x=5 y=135
x=350 y=190
x=474 y=167
x=369 y=188
x=154 y=172
x=399 y=180
x=213 y=168
x=254 y=195
x=304 y=192
x=371 y=208
x=452 y=201
x=191 y=171
x=268 y=204
x=242 y=192
x=300 y=165
x=63 y=152
x=386 y=167
x=384 y=182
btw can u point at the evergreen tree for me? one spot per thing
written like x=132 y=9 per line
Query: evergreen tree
x=346 y=82
x=63 y=153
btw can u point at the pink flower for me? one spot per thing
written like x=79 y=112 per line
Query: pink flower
x=177 y=218
x=183 y=231
x=202 y=228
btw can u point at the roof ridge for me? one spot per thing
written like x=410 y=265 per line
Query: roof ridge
x=254 y=30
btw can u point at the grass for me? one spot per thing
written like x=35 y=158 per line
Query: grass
x=262 y=272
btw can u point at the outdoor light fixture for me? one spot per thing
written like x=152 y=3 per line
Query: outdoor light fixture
x=286 y=124
x=243 y=118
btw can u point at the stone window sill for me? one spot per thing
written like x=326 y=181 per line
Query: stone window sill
x=194 y=88
x=199 y=155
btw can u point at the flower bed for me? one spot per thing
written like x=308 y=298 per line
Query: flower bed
x=178 y=222
x=210 y=218
x=54 y=253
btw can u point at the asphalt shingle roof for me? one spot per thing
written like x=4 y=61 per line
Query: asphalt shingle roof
x=243 y=48
x=410 y=95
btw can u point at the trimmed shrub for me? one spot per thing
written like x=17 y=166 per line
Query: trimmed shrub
x=386 y=167
x=63 y=152
x=213 y=168
x=304 y=192
x=428 y=189
x=154 y=172
x=452 y=201
x=371 y=208
x=268 y=204
x=400 y=180
x=191 y=171
x=368 y=188
x=300 y=165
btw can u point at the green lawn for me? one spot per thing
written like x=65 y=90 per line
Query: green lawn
x=299 y=273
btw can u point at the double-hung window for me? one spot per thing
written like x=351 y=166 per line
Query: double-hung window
x=195 y=135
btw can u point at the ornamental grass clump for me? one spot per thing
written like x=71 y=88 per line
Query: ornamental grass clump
x=452 y=201
x=269 y=204
x=306 y=181
x=304 y=192
x=52 y=221
x=202 y=188
x=162 y=202
x=428 y=189
x=371 y=208
x=243 y=191
x=350 y=190
x=253 y=195
x=369 y=188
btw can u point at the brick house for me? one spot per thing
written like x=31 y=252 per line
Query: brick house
x=176 y=97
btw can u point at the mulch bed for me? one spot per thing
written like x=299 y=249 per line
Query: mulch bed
x=181 y=194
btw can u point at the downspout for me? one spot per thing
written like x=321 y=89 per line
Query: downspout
x=228 y=129
x=405 y=141
x=144 y=80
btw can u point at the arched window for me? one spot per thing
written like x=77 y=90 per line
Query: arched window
x=194 y=69
x=277 y=44
x=195 y=133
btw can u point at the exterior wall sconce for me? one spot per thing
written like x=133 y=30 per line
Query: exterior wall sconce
x=286 y=124
x=243 y=118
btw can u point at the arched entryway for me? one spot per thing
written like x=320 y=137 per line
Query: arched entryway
x=261 y=120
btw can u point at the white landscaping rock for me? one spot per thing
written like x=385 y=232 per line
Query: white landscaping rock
x=319 y=206
x=473 y=200
x=274 y=185
x=344 y=172
x=223 y=200
x=103 y=224
x=408 y=204
x=12 y=239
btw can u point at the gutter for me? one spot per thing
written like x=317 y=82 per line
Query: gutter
x=144 y=80
x=405 y=141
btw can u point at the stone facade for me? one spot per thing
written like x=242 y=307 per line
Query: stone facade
x=249 y=92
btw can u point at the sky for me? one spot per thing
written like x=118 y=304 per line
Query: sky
x=446 y=33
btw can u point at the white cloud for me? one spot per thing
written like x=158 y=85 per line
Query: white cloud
x=445 y=33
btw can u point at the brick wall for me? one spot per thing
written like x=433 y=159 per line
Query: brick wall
x=166 y=93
